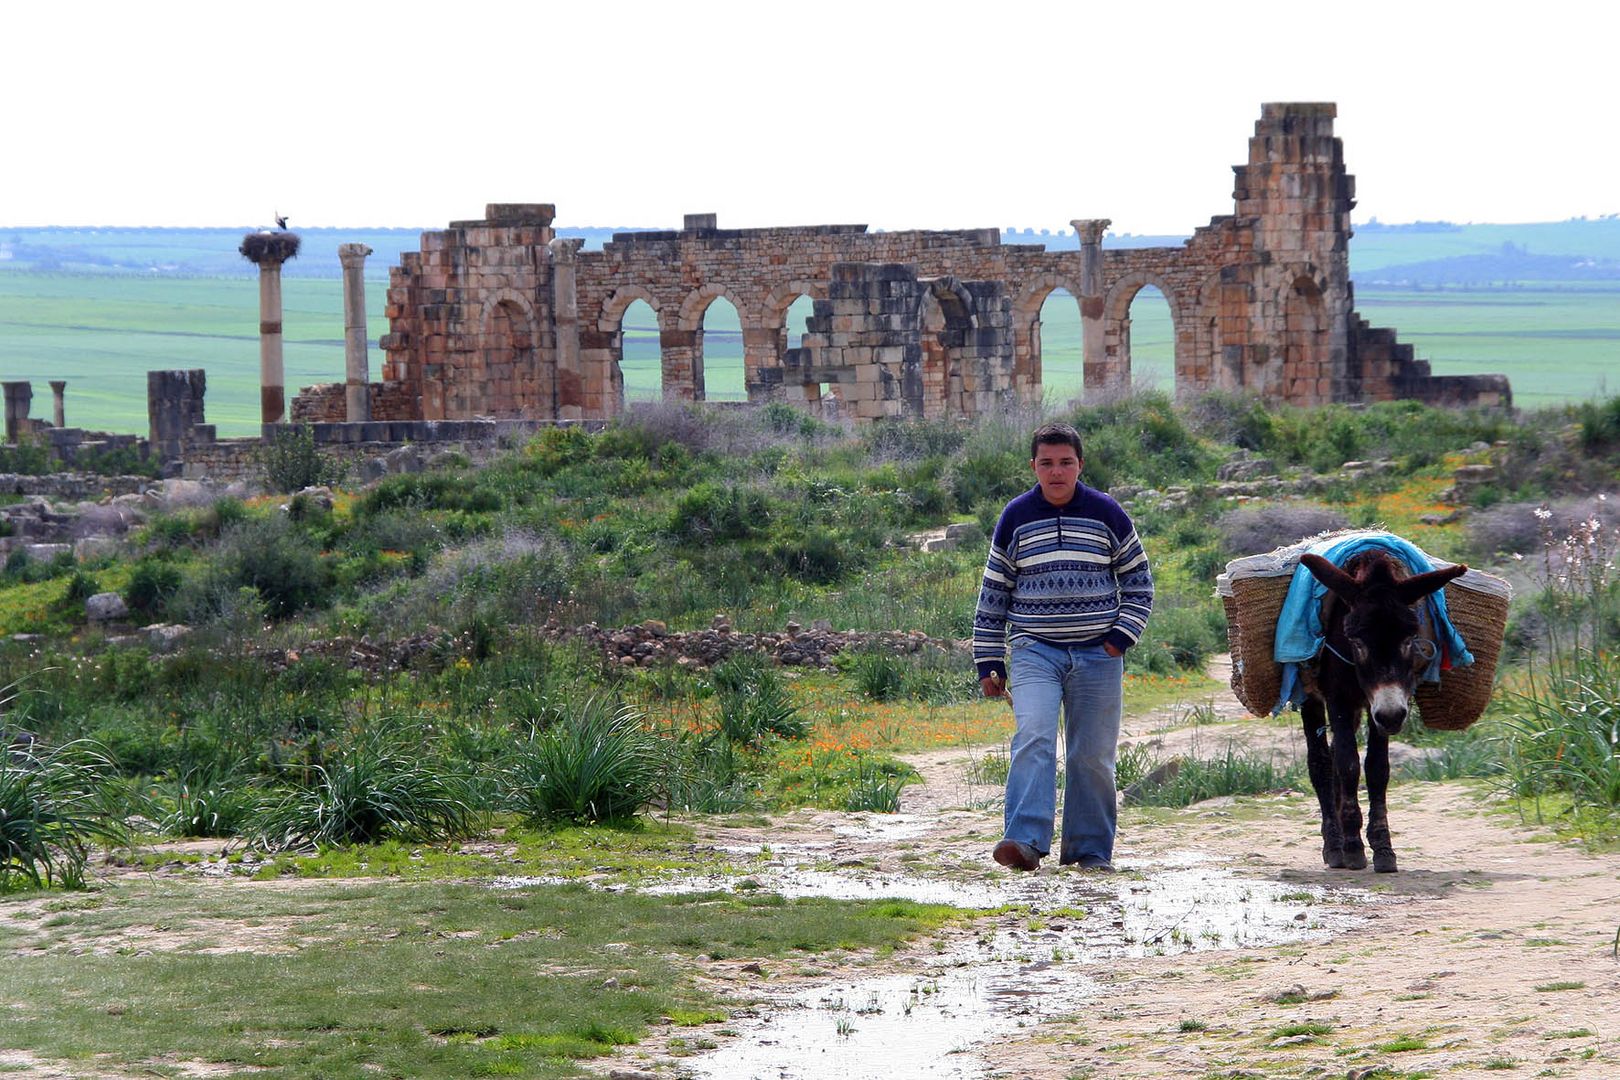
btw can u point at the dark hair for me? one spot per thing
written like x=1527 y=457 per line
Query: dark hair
x=1055 y=435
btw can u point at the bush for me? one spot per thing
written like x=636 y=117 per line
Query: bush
x=152 y=583
x=375 y=788
x=598 y=763
x=53 y=807
x=276 y=559
x=713 y=512
x=291 y=461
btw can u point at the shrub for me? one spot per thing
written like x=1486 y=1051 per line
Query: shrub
x=716 y=512
x=877 y=673
x=272 y=556
x=152 y=583
x=81 y=587
x=53 y=807
x=291 y=461
x=1250 y=530
x=598 y=763
x=989 y=476
x=376 y=787
x=816 y=554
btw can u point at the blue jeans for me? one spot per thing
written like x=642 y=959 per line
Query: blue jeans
x=1088 y=684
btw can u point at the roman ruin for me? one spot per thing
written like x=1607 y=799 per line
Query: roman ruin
x=501 y=318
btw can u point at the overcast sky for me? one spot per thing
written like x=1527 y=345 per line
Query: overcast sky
x=897 y=114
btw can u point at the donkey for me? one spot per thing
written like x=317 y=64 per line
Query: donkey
x=1374 y=648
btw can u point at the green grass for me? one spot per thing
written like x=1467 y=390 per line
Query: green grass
x=439 y=980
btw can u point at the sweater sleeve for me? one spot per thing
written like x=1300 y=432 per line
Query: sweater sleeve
x=1135 y=579
x=995 y=595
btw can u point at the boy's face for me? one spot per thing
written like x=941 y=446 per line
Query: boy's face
x=1057 y=468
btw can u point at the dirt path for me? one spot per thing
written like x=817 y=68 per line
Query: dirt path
x=1490 y=952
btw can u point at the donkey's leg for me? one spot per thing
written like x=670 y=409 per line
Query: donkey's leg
x=1347 y=774
x=1377 y=814
x=1319 y=760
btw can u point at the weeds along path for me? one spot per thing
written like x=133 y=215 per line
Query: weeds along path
x=1222 y=948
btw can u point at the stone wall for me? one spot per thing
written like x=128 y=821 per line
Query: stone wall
x=499 y=317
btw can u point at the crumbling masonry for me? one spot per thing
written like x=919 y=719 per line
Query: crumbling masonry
x=502 y=318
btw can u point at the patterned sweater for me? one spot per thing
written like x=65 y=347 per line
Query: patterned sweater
x=1071 y=575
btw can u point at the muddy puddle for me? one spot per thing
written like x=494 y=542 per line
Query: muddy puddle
x=1029 y=959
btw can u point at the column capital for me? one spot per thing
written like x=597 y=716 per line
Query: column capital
x=1091 y=230
x=353 y=256
x=564 y=248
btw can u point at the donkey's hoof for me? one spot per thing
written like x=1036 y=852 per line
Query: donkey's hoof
x=1384 y=862
x=1333 y=858
x=1355 y=859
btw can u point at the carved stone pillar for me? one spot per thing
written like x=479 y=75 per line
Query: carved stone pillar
x=58 y=394
x=568 y=397
x=267 y=251
x=19 y=400
x=356 y=366
x=1094 y=362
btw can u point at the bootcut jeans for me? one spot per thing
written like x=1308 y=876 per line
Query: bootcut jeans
x=1088 y=685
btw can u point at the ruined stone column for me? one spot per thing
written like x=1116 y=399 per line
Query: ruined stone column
x=58 y=394
x=267 y=251
x=19 y=401
x=356 y=367
x=568 y=389
x=1094 y=362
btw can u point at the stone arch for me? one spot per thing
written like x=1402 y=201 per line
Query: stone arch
x=510 y=358
x=765 y=345
x=945 y=324
x=698 y=300
x=602 y=352
x=683 y=342
x=614 y=307
x=1213 y=366
x=1117 y=325
x=1028 y=375
x=1305 y=371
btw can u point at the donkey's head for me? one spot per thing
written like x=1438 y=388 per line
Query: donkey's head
x=1381 y=629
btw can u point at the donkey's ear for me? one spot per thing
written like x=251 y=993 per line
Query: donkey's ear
x=1337 y=581
x=1416 y=588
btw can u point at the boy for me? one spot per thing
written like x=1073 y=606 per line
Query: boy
x=1066 y=591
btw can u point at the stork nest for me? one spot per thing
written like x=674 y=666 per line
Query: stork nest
x=269 y=247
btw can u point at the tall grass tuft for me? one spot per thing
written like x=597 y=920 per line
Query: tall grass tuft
x=212 y=802
x=374 y=788
x=598 y=763
x=1564 y=730
x=754 y=701
x=53 y=807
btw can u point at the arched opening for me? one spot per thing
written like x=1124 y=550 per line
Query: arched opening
x=1150 y=341
x=944 y=324
x=640 y=364
x=1304 y=372
x=719 y=359
x=793 y=326
x=1056 y=341
x=1139 y=336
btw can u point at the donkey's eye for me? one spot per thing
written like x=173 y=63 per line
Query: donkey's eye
x=1358 y=650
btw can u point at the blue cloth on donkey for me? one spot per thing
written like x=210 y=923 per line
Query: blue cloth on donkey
x=1299 y=624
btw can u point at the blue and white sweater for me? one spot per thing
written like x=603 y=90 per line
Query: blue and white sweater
x=1070 y=575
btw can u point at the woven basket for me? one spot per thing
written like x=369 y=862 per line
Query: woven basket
x=1251 y=631
x=1253 y=589
x=1480 y=615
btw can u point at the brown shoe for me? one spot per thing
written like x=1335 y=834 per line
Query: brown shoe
x=1016 y=855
